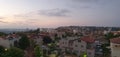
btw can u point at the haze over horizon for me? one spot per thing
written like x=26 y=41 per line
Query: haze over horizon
x=55 y=13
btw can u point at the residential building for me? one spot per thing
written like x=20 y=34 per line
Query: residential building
x=115 y=47
x=4 y=42
x=78 y=45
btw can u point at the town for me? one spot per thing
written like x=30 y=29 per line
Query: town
x=65 y=41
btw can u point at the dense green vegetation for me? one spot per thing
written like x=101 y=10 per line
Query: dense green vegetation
x=11 y=52
x=47 y=40
x=24 y=42
x=38 y=52
x=14 y=52
x=2 y=51
x=2 y=34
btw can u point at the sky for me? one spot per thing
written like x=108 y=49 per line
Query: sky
x=55 y=13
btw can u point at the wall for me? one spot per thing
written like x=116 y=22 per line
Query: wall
x=115 y=50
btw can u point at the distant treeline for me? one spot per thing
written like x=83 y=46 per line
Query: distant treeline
x=2 y=34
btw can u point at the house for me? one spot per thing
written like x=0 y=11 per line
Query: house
x=65 y=42
x=12 y=38
x=98 y=48
x=4 y=42
x=84 y=45
x=36 y=39
x=115 y=47
x=9 y=40
x=78 y=45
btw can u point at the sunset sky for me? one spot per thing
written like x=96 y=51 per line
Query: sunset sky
x=55 y=13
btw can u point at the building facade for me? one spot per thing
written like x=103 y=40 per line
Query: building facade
x=115 y=47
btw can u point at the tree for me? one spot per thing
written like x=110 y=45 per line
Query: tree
x=57 y=39
x=105 y=51
x=83 y=54
x=47 y=40
x=2 y=51
x=33 y=43
x=37 y=30
x=109 y=36
x=64 y=36
x=14 y=52
x=24 y=42
x=56 y=35
x=38 y=52
x=16 y=43
x=2 y=34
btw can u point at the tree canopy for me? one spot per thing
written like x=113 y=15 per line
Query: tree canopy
x=24 y=42
x=14 y=52
x=38 y=52
x=2 y=34
x=47 y=40
x=2 y=51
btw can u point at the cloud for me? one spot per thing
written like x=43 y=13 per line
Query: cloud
x=81 y=7
x=83 y=4
x=88 y=4
x=1 y=17
x=86 y=1
x=49 y=12
x=24 y=15
x=54 y=12
x=21 y=15
x=101 y=2
x=3 y=22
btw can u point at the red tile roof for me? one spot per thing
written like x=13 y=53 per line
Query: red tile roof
x=88 y=39
x=115 y=40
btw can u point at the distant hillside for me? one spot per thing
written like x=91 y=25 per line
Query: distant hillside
x=90 y=27
x=12 y=30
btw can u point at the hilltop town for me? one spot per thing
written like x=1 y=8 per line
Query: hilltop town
x=67 y=41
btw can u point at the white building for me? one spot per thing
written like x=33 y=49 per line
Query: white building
x=84 y=45
x=115 y=47
x=64 y=42
x=78 y=45
x=4 y=42
x=9 y=40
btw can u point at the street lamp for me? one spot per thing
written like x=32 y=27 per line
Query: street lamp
x=6 y=49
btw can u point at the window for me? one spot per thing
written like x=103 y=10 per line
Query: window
x=82 y=46
x=116 y=46
x=79 y=40
x=89 y=53
x=63 y=42
x=76 y=45
x=71 y=44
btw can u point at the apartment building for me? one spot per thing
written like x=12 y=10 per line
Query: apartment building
x=115 y=47
x=78 y=45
